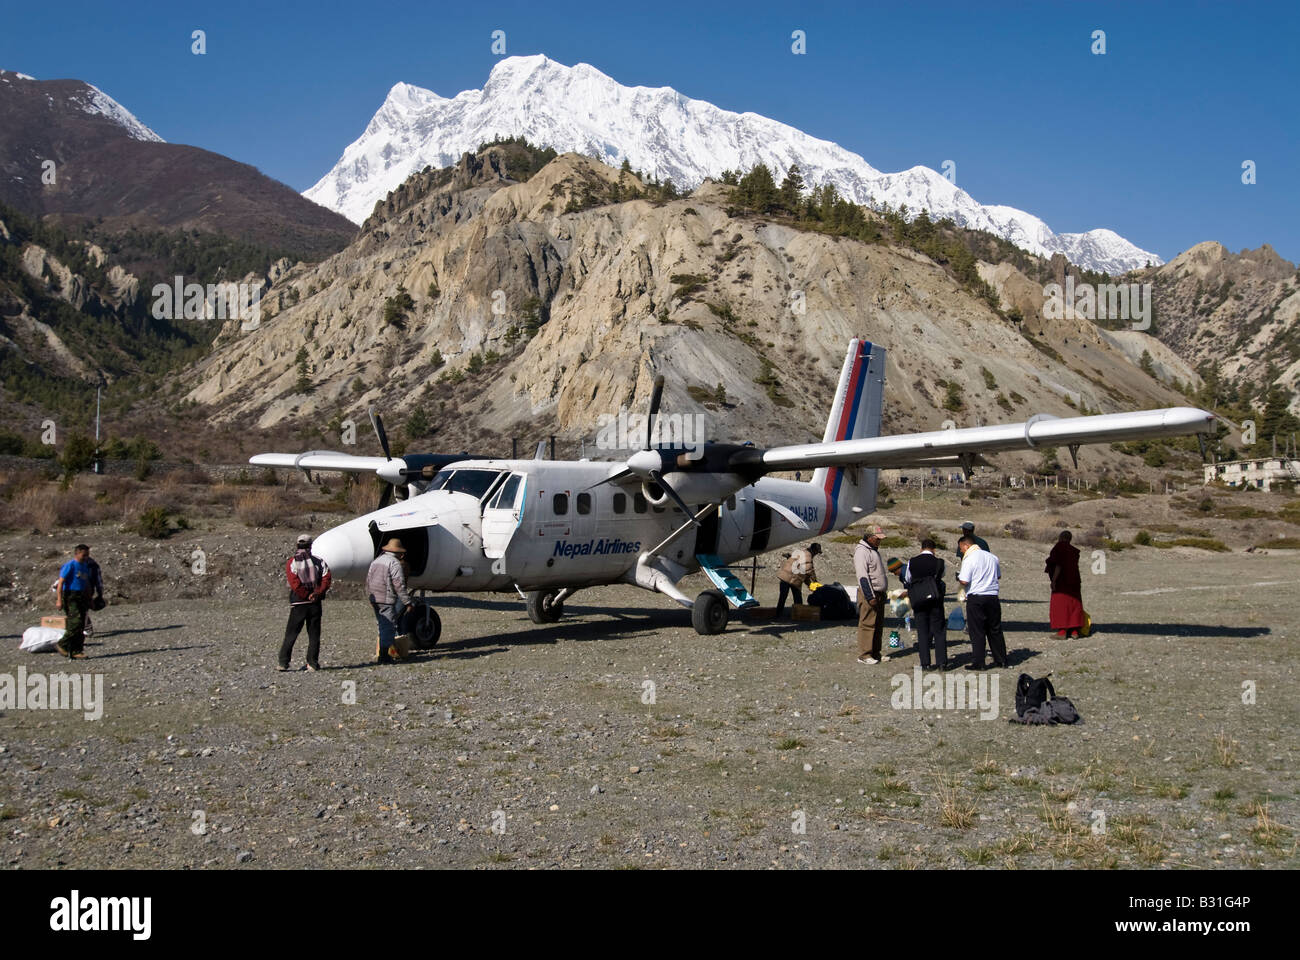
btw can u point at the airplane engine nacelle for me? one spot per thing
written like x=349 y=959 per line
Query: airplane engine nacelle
x=654 y=493
x=694 y=488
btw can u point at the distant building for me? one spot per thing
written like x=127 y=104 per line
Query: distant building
x=1260 y=474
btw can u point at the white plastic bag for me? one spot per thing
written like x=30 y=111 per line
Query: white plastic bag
x=40 y=639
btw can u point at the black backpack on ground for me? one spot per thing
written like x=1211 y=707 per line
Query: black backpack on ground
x=1031 y=693
x=1037 y=703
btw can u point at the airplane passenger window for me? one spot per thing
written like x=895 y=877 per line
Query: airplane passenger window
x=560 y=504
x=584 y=503
x=620 y=503
x=638 y=502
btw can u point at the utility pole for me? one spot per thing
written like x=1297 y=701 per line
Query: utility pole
x=98 y=465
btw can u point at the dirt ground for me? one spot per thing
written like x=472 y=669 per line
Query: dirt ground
x=517 y=745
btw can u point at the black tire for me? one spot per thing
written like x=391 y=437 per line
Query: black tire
x=542 y=607
x=425 y=627
x=710 y=612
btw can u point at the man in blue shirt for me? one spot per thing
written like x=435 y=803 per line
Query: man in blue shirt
x=79 y=582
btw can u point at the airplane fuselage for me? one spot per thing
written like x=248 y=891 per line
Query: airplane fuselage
x=501 y=524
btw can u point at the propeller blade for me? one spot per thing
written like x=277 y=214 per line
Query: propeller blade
x=377 y=422
x=658 y=478
x=655 y=396
x=386 y=497
x=621 y=475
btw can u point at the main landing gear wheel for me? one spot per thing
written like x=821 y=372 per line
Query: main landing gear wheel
x=709 y=613
x=543 y=607
x=425 y=626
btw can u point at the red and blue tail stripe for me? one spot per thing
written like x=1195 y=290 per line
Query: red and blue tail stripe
x=849 y=414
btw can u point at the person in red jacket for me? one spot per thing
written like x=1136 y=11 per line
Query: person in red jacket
x=309 y=581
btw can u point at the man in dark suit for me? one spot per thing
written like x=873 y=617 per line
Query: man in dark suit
x=923 y=577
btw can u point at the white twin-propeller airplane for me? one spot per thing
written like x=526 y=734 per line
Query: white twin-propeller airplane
x=548 y=528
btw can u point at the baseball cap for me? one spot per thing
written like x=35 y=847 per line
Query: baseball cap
x=967 y=525
x=304 y=539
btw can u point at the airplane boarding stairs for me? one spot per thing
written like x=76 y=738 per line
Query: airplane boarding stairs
x=715 y=568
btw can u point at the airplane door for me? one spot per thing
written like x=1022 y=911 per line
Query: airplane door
x=502 y=515
x=735 y=522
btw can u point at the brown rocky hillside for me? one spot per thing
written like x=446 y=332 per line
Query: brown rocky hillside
x=103 y=172
x=1239 y=312
x=461 y=266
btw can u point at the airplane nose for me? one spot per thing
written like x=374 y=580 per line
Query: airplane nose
x=348 y=549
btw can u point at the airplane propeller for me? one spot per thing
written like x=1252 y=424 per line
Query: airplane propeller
x=650 y=464
x=390 y=486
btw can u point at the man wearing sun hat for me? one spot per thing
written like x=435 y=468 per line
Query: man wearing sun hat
x=872 y=584
x=389 y=597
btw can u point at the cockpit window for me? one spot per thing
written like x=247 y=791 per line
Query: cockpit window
x=504 y=499
x=474 y=482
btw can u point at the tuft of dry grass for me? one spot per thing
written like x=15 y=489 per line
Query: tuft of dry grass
x=259 y=508
x=48 y=508
x=362 y=496
x=1267 y=832
x=1225 y=750
x=955 y=810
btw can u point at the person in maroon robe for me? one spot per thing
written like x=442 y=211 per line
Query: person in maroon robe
x=1066 y=610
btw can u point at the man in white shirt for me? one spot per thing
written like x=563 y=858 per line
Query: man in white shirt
x=979 y=574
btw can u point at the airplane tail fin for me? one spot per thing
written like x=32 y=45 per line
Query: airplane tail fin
x=851 y=491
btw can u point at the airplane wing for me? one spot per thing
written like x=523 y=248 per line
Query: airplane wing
x=320 y=460
x=945 y=447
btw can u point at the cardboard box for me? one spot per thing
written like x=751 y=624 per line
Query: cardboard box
x=805 y=611
x=402 y=643
x=58 y=623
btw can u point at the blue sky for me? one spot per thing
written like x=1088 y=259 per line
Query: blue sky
x=1147 y=140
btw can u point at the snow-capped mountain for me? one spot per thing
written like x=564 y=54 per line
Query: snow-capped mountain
x=662 y=133
x=69 y=149
x=90 y=99
x=97 y=101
